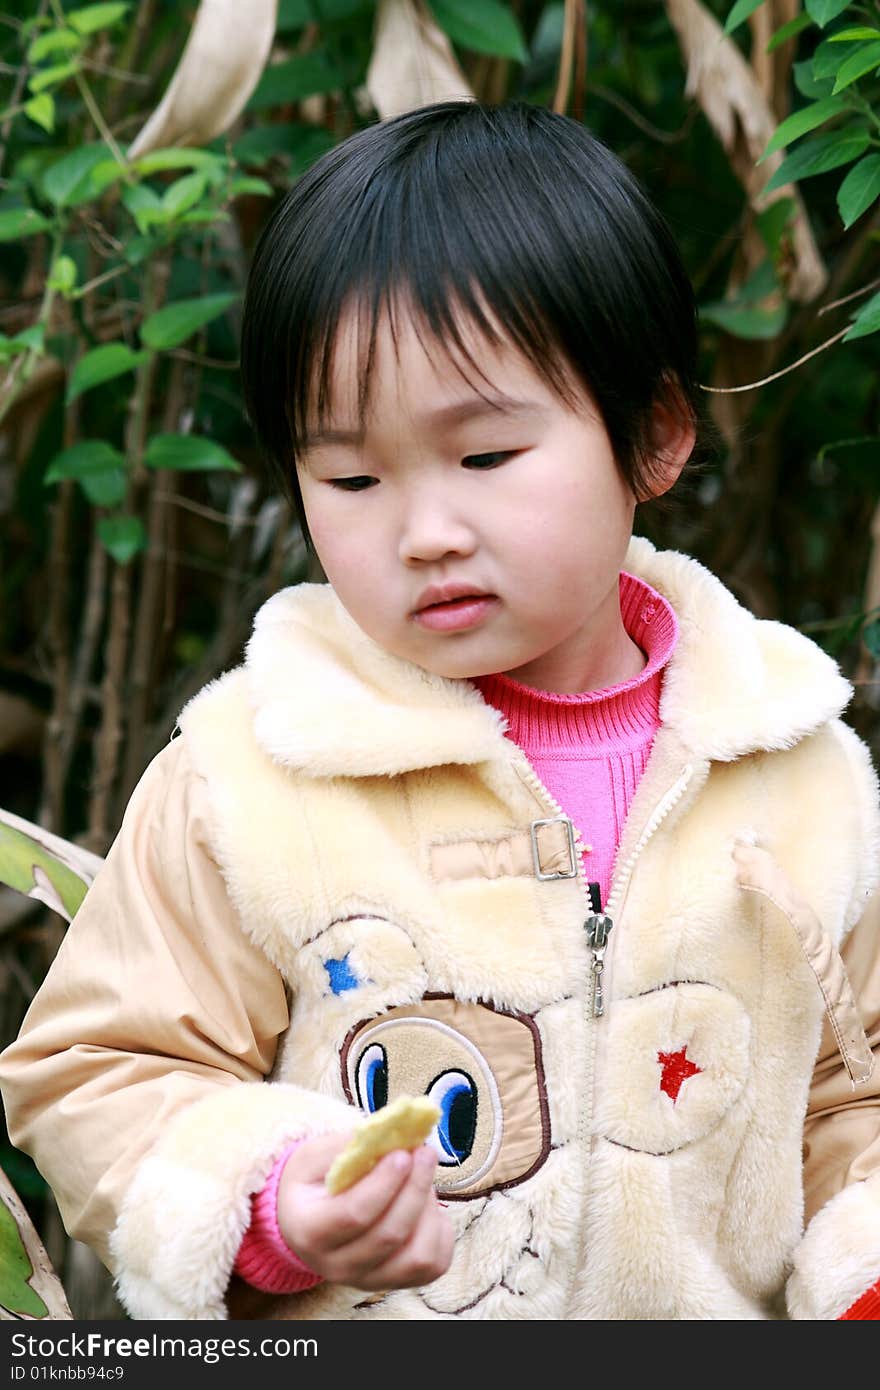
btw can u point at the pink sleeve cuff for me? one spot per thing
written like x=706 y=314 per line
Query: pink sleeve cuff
x=264 y=1258
x=866 y=1308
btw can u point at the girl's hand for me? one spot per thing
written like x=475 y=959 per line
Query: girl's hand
x=387 y=1231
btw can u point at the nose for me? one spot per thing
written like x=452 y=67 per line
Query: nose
x=432 y=526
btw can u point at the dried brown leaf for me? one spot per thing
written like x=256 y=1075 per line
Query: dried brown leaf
x=730 y=94
x=412 y=63
x=221 y=64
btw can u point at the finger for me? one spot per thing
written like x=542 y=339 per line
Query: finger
x=353 y=1212
x=424 y=1257
x=395 y=1225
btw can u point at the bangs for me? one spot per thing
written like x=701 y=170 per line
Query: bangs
x=438 y=320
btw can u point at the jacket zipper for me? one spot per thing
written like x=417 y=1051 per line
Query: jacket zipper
x=597 y=925
x=600 y=923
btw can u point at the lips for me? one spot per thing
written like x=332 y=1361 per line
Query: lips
x=438 y=594
x=455 y=607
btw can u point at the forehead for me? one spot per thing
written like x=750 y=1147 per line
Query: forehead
x=396 y=355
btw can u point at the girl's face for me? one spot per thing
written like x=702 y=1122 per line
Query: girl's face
x=520 y=503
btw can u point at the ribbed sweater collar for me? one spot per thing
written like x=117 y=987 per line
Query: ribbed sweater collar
x=618 y=716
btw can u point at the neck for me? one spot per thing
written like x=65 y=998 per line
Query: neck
x=607 y=711
x=610 y=658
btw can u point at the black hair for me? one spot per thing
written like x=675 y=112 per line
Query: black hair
x=454 y=208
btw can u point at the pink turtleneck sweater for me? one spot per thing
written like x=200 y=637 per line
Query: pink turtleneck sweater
x=589 y=750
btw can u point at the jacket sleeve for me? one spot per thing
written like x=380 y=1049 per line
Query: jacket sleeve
x=134 y=1082
x=838 y=1260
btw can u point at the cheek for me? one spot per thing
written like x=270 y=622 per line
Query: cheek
x=340 y=545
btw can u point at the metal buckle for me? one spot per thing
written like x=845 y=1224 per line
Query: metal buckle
x=536 y=859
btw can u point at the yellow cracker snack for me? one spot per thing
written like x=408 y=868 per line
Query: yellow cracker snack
x=404 y=1124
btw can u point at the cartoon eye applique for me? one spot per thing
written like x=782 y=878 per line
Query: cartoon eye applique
x=372 y=1079
x=480 y=1066
x=455 y=1093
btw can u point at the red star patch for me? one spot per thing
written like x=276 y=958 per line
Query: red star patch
x=677 y=1067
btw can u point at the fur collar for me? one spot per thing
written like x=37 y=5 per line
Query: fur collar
x=330 y=701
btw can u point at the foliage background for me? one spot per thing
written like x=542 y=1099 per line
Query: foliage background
x=139 y=533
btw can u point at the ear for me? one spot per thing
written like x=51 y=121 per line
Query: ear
x=673 y=435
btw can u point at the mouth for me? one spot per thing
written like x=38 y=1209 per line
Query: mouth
x=442 y=595
x=455 y=614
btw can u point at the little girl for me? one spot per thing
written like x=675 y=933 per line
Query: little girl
x=517 y=812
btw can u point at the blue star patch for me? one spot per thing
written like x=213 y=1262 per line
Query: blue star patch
x=342 y=977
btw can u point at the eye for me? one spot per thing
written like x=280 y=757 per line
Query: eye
x=455 y=1094
x=358 y=484
x=372 y=1078
x=487 y=460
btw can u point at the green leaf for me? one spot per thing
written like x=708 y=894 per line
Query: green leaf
x=16 y=1294
x=55 y=41
x=819 y=155
x=101 y=176
x=861 y=31
x=41 y=110
x=808 y=84
x=183 y=194
x=740 y=13
x=87 y=459
x=202 y=216
x=28 y=340
x=93 y=17
x=799 y=122
x=66 y=182
x=484 y=26
x=866 y=321
x=62 y=275
x=100 y=365
x=251 y=185
x=856 y=65
x=105 y=489
x=138 y=248
x=860 y=189
x=122 y=537
x=296 y=14
x=828 y=57
x=21 y=222
x=871 y=637
x=788 y=31
x=188 y=453
x=773 y=223
x=761 y=283
x=303 y=143
x=823 y=11
x=52 y=77
x=293 y=14
x=10 y=347
x=143 y=203
x=158 y=161
x=748 y=315
x=304 y=75
x=24 y=860
x=743 y=322
x=171 y=326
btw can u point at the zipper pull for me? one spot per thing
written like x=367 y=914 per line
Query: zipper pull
x=597 y=927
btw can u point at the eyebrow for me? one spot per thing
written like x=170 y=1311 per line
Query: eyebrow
x=459 y=412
